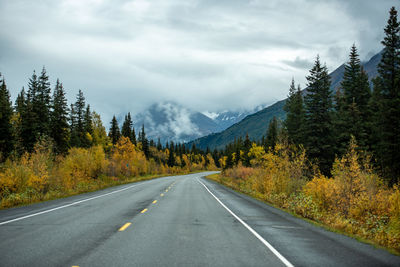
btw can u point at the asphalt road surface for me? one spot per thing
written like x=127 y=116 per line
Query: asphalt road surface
x=172 y=221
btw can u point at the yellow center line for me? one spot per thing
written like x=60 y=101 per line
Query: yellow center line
x=75 y=266
x=166 y=191
x=143 y=211
x=162 y=194
x=124 y=227
x=155 y=201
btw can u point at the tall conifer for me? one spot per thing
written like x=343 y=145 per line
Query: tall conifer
x=6 y=111
x=318 y=112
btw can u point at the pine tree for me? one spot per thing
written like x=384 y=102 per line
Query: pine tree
x=318 y=114
x=88 y=127
x=59 y=119
x=20 y=101
x=272 y=134
x=80 y=117
x=246 y=150
x=133 y=136
x=389 y=82
x=295 y=115
x=354 y=110
x=159 y=146
x=145 y=143
x=29 y=131
x=127 y=126
x=114 y=132
x=171 y=156
x=6 y=111
x=42 y=103
x=74 y=136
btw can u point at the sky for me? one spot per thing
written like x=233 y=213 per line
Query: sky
x=207 y=55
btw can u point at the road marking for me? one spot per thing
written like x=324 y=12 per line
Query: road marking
x=155 y=201
x=143 y=211
x=124 y=227
x=68 y=205
x=75 y=266
x=268 y=245
x=166 y=191
x=162 y=194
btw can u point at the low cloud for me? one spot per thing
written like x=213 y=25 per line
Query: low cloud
x=209 y=55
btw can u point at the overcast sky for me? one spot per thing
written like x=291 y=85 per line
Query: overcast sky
x=207 y=54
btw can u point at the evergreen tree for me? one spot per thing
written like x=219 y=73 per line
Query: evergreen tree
x=354 y=110
x=59 y=119
x=6 y=111
x=114 y=132
x=127 y=126
x=29 y=131
x=295 y=115
x=389 y=82
x=171 y=156
x=79 y=109
x=133 y=136
x=246 y=150
x=20 y=101
x=145 y=143
x=88 y=127
x=42 y=103
x=272 y=134
x=159 y=146
x=318 y=118
x=74 y=139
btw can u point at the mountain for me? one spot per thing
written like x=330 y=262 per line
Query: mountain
x=172 y=122
x=226 y=119
x=255 y=125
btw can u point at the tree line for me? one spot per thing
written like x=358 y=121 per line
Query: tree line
x=40 y=113
x=324 y=122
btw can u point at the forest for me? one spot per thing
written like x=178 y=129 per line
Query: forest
x=49 y=149
x=335 y=158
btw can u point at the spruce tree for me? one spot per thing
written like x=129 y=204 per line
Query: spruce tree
x=6 y=111
x=133 y=136
x=127 y=126
x=246 y=150
x=88 y=127
x=294 y=108
x=389 y=82
x=272 y=134
x=171 y=156
x=79 y=109
x=42 y=103
x=29 y=131
x=114 y=132
x=74 y=136
x=145 y=143
x=59 y=130
x=318 y=118
x=354 y=110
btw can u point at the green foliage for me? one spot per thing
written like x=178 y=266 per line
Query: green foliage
x=318 y=124
x=387 y=129
x=59 y=119
x=6 y=112
x=114 y=132
x=295 y=115
x=272 y=134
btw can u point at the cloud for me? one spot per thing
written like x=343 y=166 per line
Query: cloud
x=209 y=55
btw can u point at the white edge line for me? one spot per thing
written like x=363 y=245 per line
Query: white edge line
x=283 y=259
x=68 y=205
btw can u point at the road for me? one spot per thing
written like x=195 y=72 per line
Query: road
x=172 y=221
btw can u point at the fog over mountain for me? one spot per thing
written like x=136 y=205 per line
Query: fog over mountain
x=171 y=121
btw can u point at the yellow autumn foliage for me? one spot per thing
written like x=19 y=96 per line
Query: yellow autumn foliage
x=354 y=200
